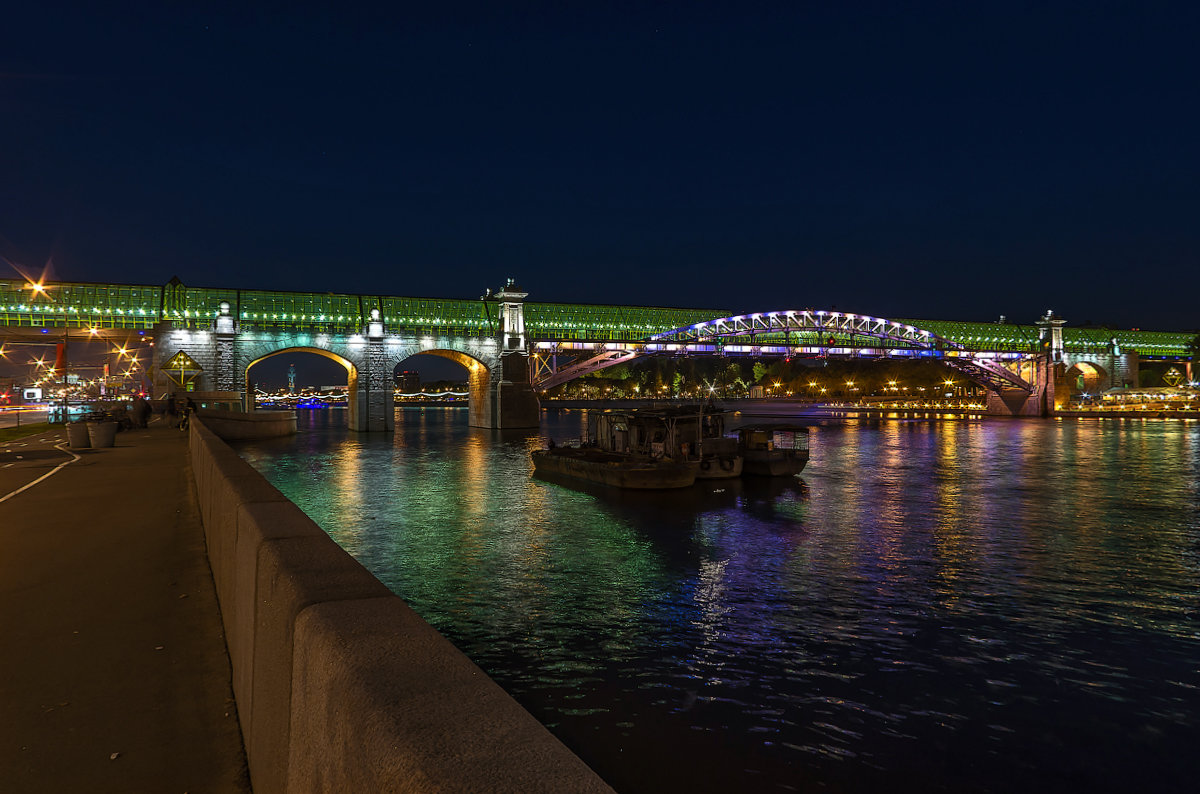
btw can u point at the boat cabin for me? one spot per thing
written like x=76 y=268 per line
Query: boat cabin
x=773 y=450
x=679 y=432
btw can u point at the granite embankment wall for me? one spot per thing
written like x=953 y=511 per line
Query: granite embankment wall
x=340 y=686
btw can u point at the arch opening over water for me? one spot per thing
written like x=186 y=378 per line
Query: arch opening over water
x=433 y=371
x=478 y=376
x=352 y=401
x=1086 y=377
x=313 y=370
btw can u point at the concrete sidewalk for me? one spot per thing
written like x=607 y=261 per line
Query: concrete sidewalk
x=114 y=674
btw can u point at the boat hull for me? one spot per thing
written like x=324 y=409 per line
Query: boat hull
x=773 y=463
x=614 y=470
x=719 y=467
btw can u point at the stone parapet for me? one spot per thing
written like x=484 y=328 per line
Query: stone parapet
x=238 y=425
x=339 y=685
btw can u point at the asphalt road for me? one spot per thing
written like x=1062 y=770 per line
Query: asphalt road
x=23 y=460
x=9 y=417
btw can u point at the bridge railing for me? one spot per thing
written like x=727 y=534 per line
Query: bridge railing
x=134 y=306
x=79 y=305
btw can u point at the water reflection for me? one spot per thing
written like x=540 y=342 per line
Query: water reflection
x=944 y=606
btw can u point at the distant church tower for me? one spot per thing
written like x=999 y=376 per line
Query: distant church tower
x=292 y=378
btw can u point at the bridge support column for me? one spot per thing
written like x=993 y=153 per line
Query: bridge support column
x=1126 y=367
x=514 y=403
x=1049 y=379
x=197 y=362
x=503 y=397
x=372 y=395
x=227 y=375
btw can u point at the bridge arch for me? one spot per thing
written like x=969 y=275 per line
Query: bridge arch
x=481 y=359
x=804 y=332
x=353 y=402
x=329 y=354
x=1087 y=377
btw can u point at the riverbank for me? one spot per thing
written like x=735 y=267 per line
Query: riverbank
x=797 y=408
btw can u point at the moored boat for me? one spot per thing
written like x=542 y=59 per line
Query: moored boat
x=773 y=450
x=689 y=434
x=613 y=468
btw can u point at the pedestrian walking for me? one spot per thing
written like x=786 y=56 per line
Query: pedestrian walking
x=141 y=411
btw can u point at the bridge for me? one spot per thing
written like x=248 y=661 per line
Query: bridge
x=211 y=337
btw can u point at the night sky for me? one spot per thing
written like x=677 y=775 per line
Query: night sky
x=953 y=161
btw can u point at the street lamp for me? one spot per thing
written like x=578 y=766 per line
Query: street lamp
x=39 y=288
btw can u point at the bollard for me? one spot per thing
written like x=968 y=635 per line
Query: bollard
x=77 y=435
x=102 y=434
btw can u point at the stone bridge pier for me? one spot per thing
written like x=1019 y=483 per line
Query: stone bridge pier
x=1056 y=374
x=1044 y=375
x=216 y=358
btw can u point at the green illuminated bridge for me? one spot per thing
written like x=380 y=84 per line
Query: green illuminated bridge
x=142 y=307
x=207 y=340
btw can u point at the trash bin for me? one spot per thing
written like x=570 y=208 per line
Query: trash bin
x=102 y=434
x=77 y=435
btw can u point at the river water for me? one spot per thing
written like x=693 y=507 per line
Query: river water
x=991 y=605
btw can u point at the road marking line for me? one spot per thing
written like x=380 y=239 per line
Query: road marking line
x=50 y=473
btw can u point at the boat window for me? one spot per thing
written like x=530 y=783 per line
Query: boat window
x=788 y=439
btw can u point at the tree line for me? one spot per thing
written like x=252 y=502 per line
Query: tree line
x=798 y=378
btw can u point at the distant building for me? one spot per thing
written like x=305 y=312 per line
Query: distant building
x=408 y=381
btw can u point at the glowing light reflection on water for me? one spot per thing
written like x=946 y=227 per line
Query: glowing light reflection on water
x=947 y=606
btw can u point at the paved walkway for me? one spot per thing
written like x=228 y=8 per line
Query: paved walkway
x=114 y=675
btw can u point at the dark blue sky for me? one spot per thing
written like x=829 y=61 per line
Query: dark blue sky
x=955 y=161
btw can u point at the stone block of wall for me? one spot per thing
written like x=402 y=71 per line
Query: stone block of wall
x=293 y=573
x=443 y=714
x=257 y=523
x=223 y=484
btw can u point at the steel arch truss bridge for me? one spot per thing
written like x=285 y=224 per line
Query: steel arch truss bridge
x=794 y=333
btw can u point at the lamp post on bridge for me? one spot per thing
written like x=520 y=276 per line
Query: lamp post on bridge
x=1051 y=326
x=1050 y=336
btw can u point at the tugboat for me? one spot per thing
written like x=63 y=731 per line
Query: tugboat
x=773 y=450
